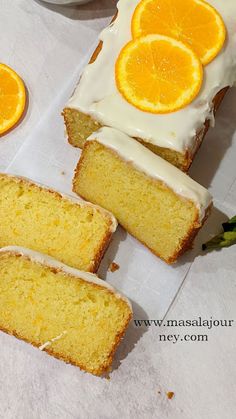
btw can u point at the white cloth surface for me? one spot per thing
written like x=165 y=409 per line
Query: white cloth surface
x=49 y=45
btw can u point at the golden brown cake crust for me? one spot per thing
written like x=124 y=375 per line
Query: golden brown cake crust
x=101 y=252
x=187 y=241
x=94 y=265
x=105 y=367
x=180 y=160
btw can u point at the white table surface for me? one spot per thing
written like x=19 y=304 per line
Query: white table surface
x=49 y=45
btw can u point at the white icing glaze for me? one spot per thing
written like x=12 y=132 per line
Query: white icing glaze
x=75 y=200
x=154 y=166
x=97 y=94
x=46 y=260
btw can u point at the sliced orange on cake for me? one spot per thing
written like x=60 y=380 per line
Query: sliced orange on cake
x=12 y=98
x=158 y=74
x=194 y=22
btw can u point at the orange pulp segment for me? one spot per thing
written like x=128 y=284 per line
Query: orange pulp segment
x=12 y=98
x=158 y=74
x=195 y=22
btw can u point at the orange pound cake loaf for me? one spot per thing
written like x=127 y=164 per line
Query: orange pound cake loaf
x=153 y=200
x=73 y=231
x=73 y=315
x=157 y=77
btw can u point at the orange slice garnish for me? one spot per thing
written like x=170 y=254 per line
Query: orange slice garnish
x=194 y=22
x=12 y=98
x=158 y=74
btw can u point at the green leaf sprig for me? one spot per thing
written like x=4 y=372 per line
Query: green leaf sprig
x=225 y=239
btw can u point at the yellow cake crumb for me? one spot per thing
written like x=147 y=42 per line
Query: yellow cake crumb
x=78 y=321
x=147 y=208
x=41 y=219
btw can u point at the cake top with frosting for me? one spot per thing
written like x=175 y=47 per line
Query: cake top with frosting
x=97 y=94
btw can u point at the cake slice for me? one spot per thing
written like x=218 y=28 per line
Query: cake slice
x=73 y=231
x=70 y=314
x=174 y=136
x=153 y=200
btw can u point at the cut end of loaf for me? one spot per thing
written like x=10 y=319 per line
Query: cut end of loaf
x=152 y=212
x=72 y=319
x=80 y=126
x=32 y=216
